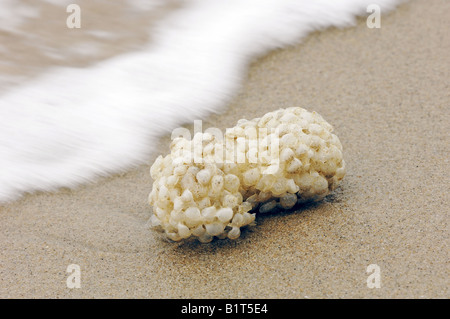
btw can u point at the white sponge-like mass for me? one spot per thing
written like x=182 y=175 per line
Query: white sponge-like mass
x=214 y=184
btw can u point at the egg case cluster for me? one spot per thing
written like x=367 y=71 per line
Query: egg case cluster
x=211 y=197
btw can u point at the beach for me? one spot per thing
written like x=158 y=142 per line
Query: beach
x=386 y=92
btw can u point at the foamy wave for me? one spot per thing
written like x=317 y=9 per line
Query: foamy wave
x=72 y=125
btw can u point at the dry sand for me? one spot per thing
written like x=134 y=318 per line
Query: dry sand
x=386 y=91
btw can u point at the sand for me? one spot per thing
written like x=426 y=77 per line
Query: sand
x=386 y=92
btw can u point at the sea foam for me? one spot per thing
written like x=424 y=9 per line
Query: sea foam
x=72 y=125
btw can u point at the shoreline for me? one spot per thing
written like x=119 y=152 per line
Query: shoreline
x=385 y=91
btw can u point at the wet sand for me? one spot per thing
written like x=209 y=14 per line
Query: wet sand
x=387 y=93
